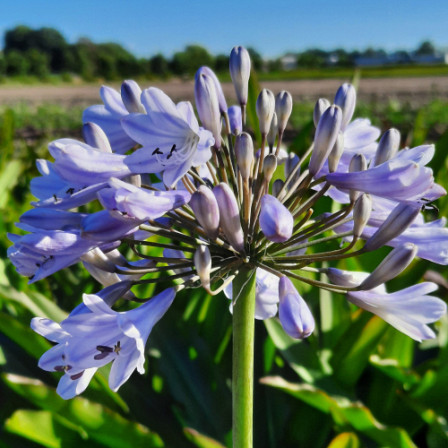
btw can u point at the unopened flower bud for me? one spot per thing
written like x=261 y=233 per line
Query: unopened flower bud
x=277 y=186
x=95 y=137
x=358 y=163
x=130 y=94
x=290 y=163
x=235 y=119
x=205 y=207
x=276 y=221
x=99 y=259
x=395 y=262
x=361 y=214
x=239 y=65
x=399 y=219
x=322 y=104
x=221 y=98
x=336 y=153
x=283 y=109
x=272 y=131
x=244 y=152
x=265 y=109
x=293 y=312
x=203 y=264
x=229 y=216
x=207 y=104
x=269 y=167
x=387 y=147
x=348 y=279
x=346 y=99
x=325 y=138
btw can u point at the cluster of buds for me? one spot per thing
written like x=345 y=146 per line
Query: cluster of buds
x=216 y=202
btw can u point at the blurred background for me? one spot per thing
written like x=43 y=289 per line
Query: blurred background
x=356 y=382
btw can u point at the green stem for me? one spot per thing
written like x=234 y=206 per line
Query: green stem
x=243 y=357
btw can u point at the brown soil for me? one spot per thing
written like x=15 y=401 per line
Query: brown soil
x=415 y=90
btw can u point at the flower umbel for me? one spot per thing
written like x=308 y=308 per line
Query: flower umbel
x=214 y=202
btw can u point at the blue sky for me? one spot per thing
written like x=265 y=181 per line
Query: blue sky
x=272 y=27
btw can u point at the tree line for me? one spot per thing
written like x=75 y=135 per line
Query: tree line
x=45 y=51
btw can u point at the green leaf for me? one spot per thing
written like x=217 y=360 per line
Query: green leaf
x=41 y=427
x=8 y=180
x=345 y=440
x=95 y=420
x=200 y=440
x=35 y=302
x=392 y=369
x=345 y=412
x=351 y=354
x=300 y=356
x=23 y=336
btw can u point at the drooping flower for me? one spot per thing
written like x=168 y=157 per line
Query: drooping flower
x=95 y=335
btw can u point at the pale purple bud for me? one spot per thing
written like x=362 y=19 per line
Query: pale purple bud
x=235 y=119
x=99 y=259
x=290 y=164
x=265 y=109
x=229 y=216
x=399 y=219
x=207 y=104
x=346 y=99
x=336 y=153
x=277 y=186
x=272 y=131
x=244 y=152
x=293 y=312
x=239 y=66
x=221 y=98
x=283 y=109
x=357 y=163
x=395 y=263
x=203 y=264
x=387 y=147
x=361 y=214
x=95 y=137
x=325 y=138
x=348 y=279
x=269 y=167
x=130 y=94
x=205 y=207
x=276 y=221
x=322 y=104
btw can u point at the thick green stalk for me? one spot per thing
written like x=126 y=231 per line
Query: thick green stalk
x=243 y=357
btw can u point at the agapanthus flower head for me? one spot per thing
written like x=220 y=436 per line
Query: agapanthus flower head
x=219 y=204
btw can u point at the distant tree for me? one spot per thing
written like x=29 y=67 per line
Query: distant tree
x=84 y=55
x=189 y=60
x=16 y=63
x=426 y=48
x=256 y=59
x=2 y=66
x=47 y=40
x=312 y=58
x=18 y=39
x=222 y=63
x=38 y=63
x=275 y=65
x=159 y=65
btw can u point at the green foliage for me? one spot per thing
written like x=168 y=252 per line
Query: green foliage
x=188 y=61
x=355 y=383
